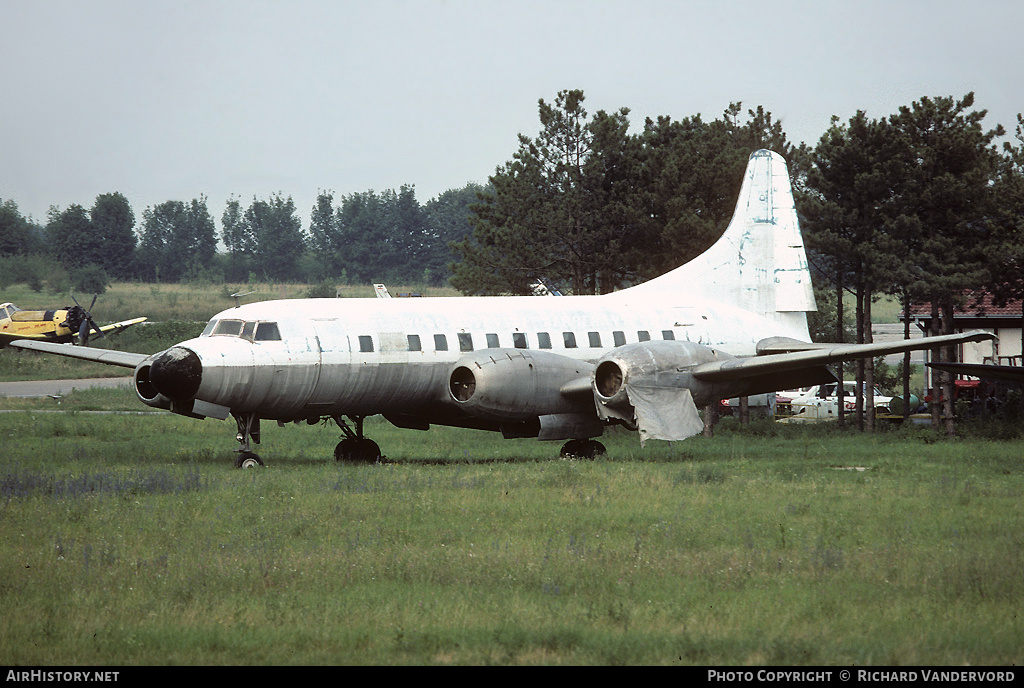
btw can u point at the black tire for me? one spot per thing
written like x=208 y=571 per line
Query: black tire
x=582 y=449
x=357 y=451
x=248 y=460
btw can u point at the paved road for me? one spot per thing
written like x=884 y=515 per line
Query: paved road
x=44 y=388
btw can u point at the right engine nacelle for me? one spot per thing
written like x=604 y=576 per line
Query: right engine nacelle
x=516 y=383
x=651 y=365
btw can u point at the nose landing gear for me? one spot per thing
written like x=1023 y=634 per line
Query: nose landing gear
x=248 y=427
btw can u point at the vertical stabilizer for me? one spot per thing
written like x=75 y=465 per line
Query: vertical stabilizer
x=759 y=263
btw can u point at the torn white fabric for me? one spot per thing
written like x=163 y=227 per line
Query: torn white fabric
x=664 y=413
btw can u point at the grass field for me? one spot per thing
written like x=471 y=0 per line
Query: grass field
x=130 y=539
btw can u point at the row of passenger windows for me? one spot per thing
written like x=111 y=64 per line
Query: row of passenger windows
x=519 y=340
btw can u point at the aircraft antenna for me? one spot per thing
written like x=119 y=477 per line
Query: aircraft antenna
x=237 y=295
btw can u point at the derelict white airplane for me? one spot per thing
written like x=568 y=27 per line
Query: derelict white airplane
x=732 y=322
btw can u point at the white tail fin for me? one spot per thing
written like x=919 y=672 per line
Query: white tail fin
x=759 y=263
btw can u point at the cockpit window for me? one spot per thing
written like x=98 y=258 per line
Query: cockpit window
x=246 y=329
x=267 y=332
x=228 y=328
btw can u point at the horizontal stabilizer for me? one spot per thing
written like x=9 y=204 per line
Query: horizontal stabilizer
x=985 y=372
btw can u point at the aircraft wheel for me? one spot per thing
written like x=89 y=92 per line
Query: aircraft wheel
x=582 y=449
x=248 y=460
x=357 y=451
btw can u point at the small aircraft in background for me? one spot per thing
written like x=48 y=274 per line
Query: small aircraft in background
x=730 y=323
x=71 y=324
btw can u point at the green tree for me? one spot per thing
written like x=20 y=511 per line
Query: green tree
x=845 y=202
x=541 y=221
x=113 y=224
x=323 y=236
x=178 y=239
x=448 y=220
x=279 y=241
x=70 y=237
x=238 y=239
x=945 y=208
x=16 y=236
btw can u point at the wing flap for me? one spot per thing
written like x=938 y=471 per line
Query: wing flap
x=123 y=359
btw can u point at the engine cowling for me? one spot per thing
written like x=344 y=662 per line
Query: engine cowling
x=145 y=389
x=520 y=384
x=655 y=365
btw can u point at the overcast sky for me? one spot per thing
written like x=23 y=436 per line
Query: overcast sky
x=169 y=100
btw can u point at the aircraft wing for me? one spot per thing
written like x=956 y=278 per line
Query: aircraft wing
x=983 y=371
x=120 y=326
x=821 y=354
x=124 y=359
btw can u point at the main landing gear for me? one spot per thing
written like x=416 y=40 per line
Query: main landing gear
x=582 y=449
x=248 y=427
x=355 y=447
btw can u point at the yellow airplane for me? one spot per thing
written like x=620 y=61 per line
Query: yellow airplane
x=70 y=324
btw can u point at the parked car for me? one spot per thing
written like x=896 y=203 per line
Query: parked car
x=821 y=402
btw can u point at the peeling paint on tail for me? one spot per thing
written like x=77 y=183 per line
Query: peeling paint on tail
x=759 y=263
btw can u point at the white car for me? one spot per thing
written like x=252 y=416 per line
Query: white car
x=821 y=402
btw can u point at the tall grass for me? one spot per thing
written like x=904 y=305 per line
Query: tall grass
x=132 y=541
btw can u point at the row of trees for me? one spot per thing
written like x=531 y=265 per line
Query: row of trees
x=366 y=237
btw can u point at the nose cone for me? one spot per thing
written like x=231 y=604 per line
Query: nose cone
x=177 y=373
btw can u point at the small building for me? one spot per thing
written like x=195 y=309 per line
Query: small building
x=980 y=312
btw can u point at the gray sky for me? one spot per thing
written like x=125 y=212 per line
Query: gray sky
x=169 y=100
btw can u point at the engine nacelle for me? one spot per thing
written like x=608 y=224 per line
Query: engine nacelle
x=652 y=365
x=144 y=388
x=519 y=384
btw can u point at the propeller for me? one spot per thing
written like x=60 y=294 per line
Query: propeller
x=87 y=322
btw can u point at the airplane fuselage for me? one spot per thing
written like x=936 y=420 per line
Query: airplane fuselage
x=294 y=359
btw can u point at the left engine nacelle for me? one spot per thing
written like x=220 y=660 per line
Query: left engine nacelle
x=144 y=388
x=517 y=383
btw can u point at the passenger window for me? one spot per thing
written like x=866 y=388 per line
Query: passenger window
x=465 y=341
x=228 y=328
x=595 y=340
x=619 y=338
x=365 y=343
x=267 y=332
x=519 y=340
x=668 y=335
x=492 y=341
x=414 y=343
x=643 y=336
x=569 y=339
x=543 y=340
x=440 y=342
